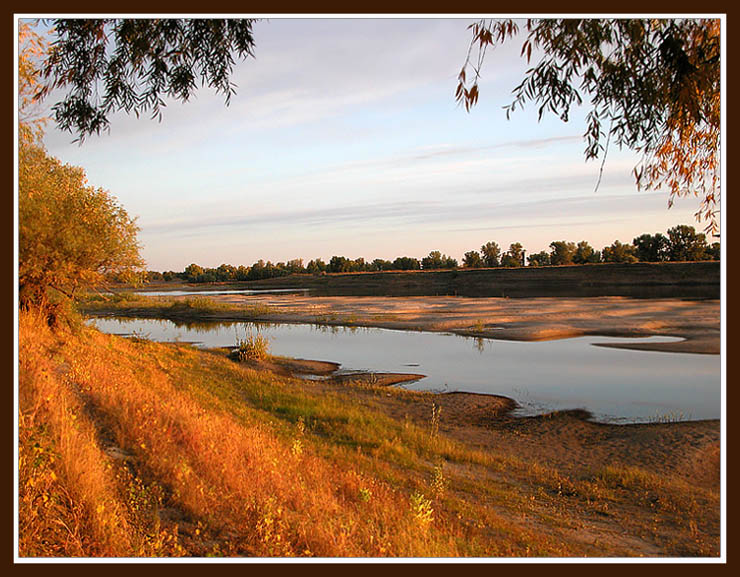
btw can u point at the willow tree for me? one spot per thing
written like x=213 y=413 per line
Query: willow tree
x=70 y=234
x=102 y=66
x=650 y=85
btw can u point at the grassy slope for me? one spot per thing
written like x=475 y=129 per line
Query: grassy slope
x=134 y=448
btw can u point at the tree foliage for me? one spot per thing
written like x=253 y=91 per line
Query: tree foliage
x=491 y=254
x=585 y=253
x=31 y=48
x=69 y=234
x=562 y=252
x=541 y=258
x=514 y=257
x=436 y=260
x=652 y=85
x=618 y=252
x=107 y=65
x=684 y=243
x=651 y=247
x=472 y=259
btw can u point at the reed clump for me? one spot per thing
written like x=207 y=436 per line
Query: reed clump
x=252 y=348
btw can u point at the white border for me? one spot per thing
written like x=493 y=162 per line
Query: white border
x=384 y=560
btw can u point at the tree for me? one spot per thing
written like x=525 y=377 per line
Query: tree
x=619 y=252
x=651 y=248
x=170 y=275
x=32 y=47
x=380 y=264
x=491 y=253
x=295 y=266
x=653 y=86
x=684 y=243
x=70 y=235
x=225 y=272
x=514 y=257
x=714 y=251
x=406 y=263
x=242 y=273
x=432 y=261
x=340 y=264
x=562 y=252
x=585 y=253
x=316 y=266
x=193 y=272
x=437 y=260
x=541 y=258
x=258 y=270
x=109 y=65
x=472 y=259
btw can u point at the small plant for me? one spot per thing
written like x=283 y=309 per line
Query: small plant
x=139 y=336
x=253 y=348
x=297 y=447
x=365 y=494
x=439 y=482
x=436 y=410
x=672 y=417
x=421 y=508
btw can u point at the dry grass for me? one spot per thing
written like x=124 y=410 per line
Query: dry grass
x=134 y=448
x=238 y=480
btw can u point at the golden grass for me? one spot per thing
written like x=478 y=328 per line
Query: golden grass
x=243 y=485
x=134 y=448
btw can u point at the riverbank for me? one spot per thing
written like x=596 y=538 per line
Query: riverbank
x=568 y=440
x=155 y=449
x=528 y=319
x=637 y=280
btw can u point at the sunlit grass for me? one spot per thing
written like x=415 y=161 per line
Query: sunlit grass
x=129 y=447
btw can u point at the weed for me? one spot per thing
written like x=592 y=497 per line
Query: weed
x=672 y=417
x=434 y=430
x=439 y=482
x=421 y=508
x=252 y=348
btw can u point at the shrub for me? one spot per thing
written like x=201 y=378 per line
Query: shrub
x=253 y=348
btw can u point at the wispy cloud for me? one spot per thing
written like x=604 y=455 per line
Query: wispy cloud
x=382 y=214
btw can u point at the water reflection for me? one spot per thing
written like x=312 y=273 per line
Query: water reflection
x=613 y=384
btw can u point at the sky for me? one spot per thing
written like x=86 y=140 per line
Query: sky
x=344 y=138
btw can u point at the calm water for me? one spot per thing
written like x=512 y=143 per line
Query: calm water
x=615 y=385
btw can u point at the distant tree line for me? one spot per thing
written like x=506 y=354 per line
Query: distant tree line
x=681 y=243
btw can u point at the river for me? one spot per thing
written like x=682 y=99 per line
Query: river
x=615 y=385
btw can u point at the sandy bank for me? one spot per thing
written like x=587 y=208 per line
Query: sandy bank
x=696 y=321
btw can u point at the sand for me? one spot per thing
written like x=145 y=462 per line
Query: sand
x=696 y=321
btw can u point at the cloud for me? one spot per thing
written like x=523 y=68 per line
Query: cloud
x=436 y=213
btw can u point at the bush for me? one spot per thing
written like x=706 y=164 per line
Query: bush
x=253 y=348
